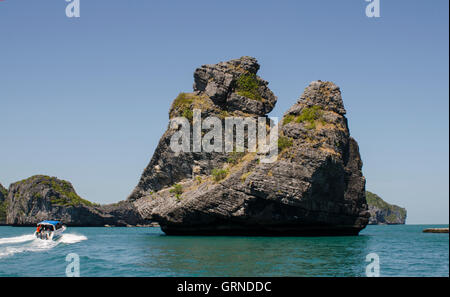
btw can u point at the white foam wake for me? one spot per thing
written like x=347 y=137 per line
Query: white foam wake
x=17 y=239
x=71 y=238
x=28 y=243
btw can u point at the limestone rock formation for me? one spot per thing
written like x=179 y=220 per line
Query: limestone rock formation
x=315 y=187
x=42 y=198
x=383 y=213
x=3 y=195
x=226 y=89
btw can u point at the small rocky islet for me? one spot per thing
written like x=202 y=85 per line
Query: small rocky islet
x=315 y=187
x=383 y=213
x=436 y=230
x=42 y=197
x=3 y=195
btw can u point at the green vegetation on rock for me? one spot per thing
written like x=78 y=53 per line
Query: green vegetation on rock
x=183 y=100
x=185 y=103
x=219 y=174
x=177 y=189
x=68 y=197
x=3 y=191
x=248 y=86
x=188 y=114
x=308 y=115
x=3 y=206
x=284 y=143
x=288 y=118
x=234 y=157
x=383 y=212
x=375 y=200
x=41 y=197
x=65 y=194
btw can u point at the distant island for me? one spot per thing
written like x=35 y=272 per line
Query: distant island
x=42 y=197
x=3 y=195
x=383 y=213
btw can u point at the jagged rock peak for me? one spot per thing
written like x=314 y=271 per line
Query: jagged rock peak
x=226 y=89
x=244 y=63
x=234 y=85
x=317 y=120
x=325 y=94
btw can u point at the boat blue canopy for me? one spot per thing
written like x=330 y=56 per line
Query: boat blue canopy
x=48 y=222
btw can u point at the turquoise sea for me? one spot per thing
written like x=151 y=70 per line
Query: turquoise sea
x=403 y=250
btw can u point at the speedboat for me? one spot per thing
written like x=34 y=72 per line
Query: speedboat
x=48 y=230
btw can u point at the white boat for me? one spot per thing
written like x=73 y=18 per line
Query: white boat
x=49 y=230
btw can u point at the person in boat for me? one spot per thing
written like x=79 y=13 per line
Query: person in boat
x=45 y=231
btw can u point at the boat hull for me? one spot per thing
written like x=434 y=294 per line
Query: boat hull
x=53 y=235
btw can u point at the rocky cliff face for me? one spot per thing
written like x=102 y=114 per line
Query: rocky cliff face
x=315 y=187
x=42 y=198
x=226 y=89
x=3 y=195
x=383 y=213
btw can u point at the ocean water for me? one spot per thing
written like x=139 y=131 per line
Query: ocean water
x=402 y=250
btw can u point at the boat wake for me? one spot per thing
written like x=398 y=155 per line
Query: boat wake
x=17 y=239
x=71 y=238
x=28 y=243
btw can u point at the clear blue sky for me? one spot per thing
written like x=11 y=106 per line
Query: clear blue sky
x=87 y=99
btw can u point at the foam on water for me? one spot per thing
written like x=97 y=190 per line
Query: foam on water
x=28 y=243
x=17 y=239
x=71 y=238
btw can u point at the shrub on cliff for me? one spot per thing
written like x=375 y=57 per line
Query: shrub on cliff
x=234 y=157
x=219 y=174
x=247 y=86
x=284 y=143
x=308 y=115
x=177 y=190
x=185 y=103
